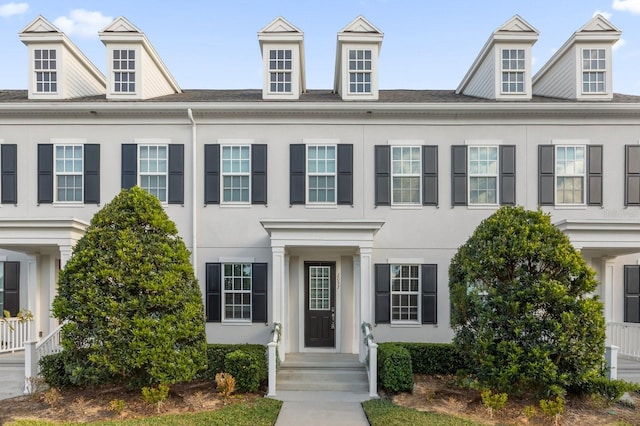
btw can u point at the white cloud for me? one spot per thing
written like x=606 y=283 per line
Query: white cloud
x=11 y=9
x=621 y=42
x=632 y=6
x=605 y=15
x=82 y=23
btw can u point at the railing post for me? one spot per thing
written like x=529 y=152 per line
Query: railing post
x=611 y=357
x=272 y=368
x=30 y=365
x=373 y=370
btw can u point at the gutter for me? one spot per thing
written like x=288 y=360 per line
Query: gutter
x=194 y=210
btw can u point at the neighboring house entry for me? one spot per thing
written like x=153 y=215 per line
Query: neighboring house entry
x=632 y=293
x=320 y=304
x=9 y=288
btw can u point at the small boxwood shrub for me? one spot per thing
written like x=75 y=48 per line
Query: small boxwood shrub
x=244 y=368
x=216 y=360
x=611 y=390
x=395 y=373
x=434 y=358
x=65 y=369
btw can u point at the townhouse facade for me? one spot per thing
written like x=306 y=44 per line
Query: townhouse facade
x=321 y=210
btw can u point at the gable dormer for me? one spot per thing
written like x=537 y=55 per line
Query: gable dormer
x=282 y=48
x=134 y=69
x=57 y=68
x=502 y=70
x=582 y=68
x=356 y=76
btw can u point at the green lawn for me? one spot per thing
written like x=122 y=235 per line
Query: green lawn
x=384 y=413
x=261 y=412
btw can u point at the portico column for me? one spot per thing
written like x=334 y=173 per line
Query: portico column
x=366 y=288
x=607 y=289
x=358 y=344
x=65 y=254
x=278 y=284
x=33 y=302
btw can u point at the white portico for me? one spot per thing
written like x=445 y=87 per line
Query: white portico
x=307 y=254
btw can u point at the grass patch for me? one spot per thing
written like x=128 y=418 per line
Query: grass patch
x=383 y=413
x=259 y=412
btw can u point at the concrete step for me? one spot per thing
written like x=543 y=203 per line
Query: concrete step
x=322 y=372
x=12 y=359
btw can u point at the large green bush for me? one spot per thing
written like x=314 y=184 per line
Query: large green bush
x=217 y=355
x=522 y=305
x=395 y=373
x=434 y=358
x=129 y=296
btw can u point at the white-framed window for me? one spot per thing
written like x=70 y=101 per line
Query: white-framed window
x=406 y=169
x=570 y=174
x=513 y=68
x=153 y=161
x=124 y=75
x=236 y=173
x=360 y=69
x=593 y=70
x=320 y=288
x=483 y=174
x=45 y=67
x=236 y=279
x=405 y=293
x=69 y=173
x=321 y=174
x=280 y=70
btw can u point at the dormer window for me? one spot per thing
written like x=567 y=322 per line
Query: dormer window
x=124 y=65
x=513 y=68
x=359 y=71
x=45 y=67
x=280 y=68
x=593 y=70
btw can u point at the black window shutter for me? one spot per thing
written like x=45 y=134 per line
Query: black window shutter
x=383 y=293
x=12 y=287
x=92 y=173
x=45 y=173
x=259 y=286
x=632 y=293
x=212 y=174
x=345 y=174
x=632 y=176
x=430 y=175
x=9 y=157
x=594 y=175
x=507 y=175
x=213 y=292
x=383 y=175
x=429 y=294
x=258 y=174
x=176 y=174
x=297 y=170
x=129 y=165
x=458 y=175
x=546 y=175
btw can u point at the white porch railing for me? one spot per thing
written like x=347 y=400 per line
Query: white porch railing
x=272 y=357
x=14 y=332
x=372 y=359
x=34 y=351
x=626 y=336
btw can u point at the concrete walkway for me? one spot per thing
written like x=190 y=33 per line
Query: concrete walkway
x=11 y=375
x=316 y=408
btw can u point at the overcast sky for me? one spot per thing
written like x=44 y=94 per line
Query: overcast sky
x=213 y=44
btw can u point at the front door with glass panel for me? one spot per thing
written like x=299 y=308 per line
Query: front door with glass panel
x=320 y=305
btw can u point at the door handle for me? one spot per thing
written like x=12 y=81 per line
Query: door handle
x=333 y=319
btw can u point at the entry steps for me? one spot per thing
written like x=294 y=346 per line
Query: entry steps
x=322 y=372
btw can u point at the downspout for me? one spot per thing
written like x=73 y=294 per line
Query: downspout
x=194 y=203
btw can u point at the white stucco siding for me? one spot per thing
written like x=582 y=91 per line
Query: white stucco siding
x=482 y=85
x=560 y=80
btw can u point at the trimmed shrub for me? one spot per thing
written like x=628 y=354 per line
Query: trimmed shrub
x=217 y=353
x=611 y=390
x=244 y=368
x=394 y=368
x=65 y=369
x=434 y=358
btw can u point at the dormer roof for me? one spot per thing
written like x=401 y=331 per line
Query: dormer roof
x=359 y=31
x=122 y=31
x=598 y=32
x=515 y=31
x=281 y=31
x=77 y=75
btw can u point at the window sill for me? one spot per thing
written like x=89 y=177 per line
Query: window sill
x=483 y=206
x=406 y=206
x=68 y=205
x=321 y=206
x=236 y=323
x=570 y=207
x=235 y=205
x=405 y=325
